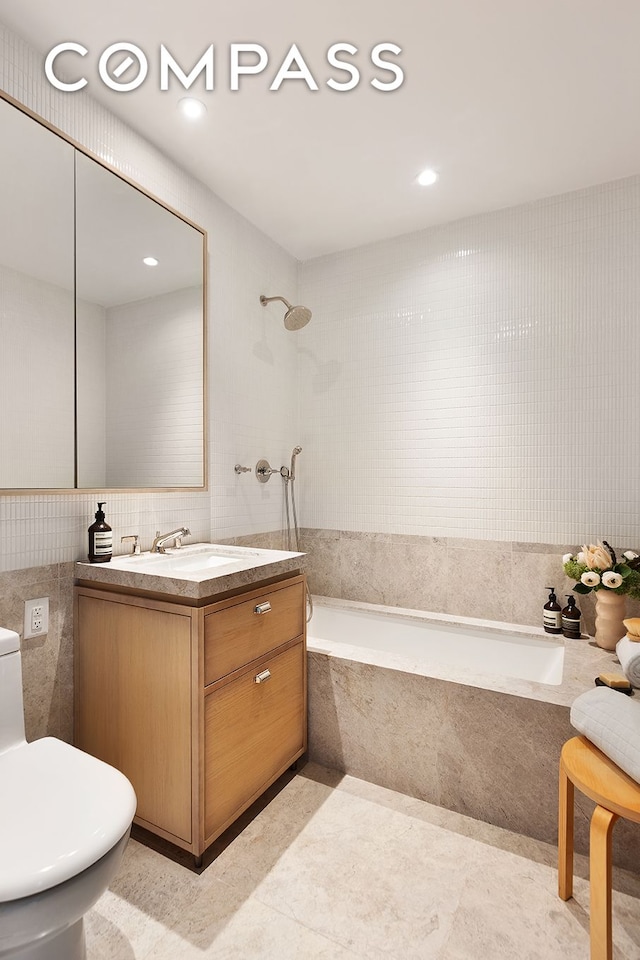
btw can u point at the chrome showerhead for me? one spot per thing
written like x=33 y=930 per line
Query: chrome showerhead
x=295 y=318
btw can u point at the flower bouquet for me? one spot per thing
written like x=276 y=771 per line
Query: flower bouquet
x=596 y=568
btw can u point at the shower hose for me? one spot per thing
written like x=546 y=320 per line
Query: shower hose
x=293 y=539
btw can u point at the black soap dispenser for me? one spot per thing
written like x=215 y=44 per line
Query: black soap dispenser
x=571 y=620
x=100 y=538
x=552 y=614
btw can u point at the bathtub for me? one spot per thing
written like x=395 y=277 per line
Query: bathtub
x=469 y=716
x=427 y=643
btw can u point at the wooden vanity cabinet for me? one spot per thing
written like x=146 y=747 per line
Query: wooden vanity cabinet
x=251 y=729
x=202 y=707
x=134 y=705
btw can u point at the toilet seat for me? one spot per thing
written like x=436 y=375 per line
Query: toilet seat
x=61 y=810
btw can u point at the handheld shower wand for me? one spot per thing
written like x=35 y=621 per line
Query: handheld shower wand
x=289 y=477
x=294 y=454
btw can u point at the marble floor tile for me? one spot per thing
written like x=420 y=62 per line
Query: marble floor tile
x=335 y=868
x=143 y=903
x=222 y=923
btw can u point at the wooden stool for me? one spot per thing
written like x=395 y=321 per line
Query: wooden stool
x=617 y=795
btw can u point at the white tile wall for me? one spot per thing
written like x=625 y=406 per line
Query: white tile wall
x=471 y=380
x=91 y=387
x=36 y=382
x=154 y=391
x=478 y=379
x=252 y=388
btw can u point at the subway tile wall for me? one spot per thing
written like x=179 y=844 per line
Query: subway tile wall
x=161 y=403
x=252 y=388
x=469 y=380
x=476 y=380
x=36 y=423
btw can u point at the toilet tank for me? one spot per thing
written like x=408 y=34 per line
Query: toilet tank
x=11 y=706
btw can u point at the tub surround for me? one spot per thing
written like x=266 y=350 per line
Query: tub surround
x=486 y=579
x=480 y=745
x=583 y=659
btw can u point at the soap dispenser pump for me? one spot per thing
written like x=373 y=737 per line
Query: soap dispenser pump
x=100 y=538
x=571 y=620
x=552 y=613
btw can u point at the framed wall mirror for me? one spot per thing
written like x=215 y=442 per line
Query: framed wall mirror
x=36 y=305
x=102 y=324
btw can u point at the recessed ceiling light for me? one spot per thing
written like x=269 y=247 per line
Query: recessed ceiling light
x=192 y=108
x=427 y=178
x=150 y=261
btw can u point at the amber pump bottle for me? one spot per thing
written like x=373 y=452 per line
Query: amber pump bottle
x=571 y=620
x=100 y=538
x=552 y=613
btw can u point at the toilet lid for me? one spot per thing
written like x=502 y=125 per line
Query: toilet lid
x=60 y=811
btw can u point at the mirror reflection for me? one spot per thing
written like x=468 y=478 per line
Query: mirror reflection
x=36 y=305
x=101 y=354
x=139 y=337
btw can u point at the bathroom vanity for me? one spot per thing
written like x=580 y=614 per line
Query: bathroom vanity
x=195 y=688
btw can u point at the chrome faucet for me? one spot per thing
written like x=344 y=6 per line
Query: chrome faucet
x=161 y=539
x=135 y=549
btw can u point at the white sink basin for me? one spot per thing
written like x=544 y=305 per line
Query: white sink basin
x=200 y=563
x=197 y=561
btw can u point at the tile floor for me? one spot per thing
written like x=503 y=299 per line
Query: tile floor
x=336 y=868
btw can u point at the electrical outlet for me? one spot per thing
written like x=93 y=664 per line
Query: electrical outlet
x=36 y=617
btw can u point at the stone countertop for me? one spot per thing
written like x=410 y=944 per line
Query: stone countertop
x=273 y=563
x=583 y=659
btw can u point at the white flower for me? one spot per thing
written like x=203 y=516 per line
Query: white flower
x=569 y=556
x=580 y=557
x=630 y=555
x=611 y=579
x=590 y=578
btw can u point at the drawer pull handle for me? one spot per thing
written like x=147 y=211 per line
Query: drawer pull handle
x=261 y=677
x=263 y=607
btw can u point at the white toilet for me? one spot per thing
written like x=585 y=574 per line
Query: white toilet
x=65 y=819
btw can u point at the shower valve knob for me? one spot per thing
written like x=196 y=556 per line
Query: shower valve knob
x=264 y=470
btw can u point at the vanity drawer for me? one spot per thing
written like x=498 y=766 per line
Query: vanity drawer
x=253 y=731
x=238 y=634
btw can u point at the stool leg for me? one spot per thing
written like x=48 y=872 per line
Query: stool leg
x=565 y=836
x=602 y=823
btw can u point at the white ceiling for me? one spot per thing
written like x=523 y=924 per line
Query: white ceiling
x=510 y=100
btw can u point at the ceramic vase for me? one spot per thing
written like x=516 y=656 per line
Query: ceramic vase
x=610 y=611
